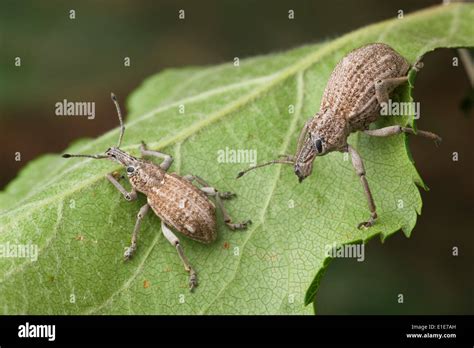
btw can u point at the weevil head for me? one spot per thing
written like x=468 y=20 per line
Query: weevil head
x=135 y=168
x=313 y=146
x=130 y=163
x=324 y=133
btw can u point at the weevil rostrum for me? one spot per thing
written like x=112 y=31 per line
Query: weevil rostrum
x=359 y=84
x=179 y=204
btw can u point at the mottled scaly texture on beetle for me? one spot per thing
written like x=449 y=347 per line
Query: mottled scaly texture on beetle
x=350 y=87
x=351 y=84
x=179 y=203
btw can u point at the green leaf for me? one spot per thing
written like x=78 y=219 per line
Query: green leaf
x=81 y=224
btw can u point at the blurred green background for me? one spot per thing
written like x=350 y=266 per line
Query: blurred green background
x=82 y=59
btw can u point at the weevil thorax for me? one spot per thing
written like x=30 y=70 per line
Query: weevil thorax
x=142 y=175
x=146 y=177
x=326 y=132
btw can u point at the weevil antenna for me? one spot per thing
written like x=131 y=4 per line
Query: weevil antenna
x=279 y=161
x=119 y=113
x=68 y=155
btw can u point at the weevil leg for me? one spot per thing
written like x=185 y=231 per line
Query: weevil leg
x=187 y=266
x=200 y=181
x=418 y=65
x=192 y=178
x=384 y=87
x=129 y=196
x=129 y=251
x=211 y=191
x=360 y=170
x=393 y=130
x=227 y=219
x=167 y=159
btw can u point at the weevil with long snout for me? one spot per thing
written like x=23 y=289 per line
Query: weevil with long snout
x=179 y=204
x=359 y=84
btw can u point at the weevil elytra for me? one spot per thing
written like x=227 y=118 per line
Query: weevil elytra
x=180 y=205
x=359 y=84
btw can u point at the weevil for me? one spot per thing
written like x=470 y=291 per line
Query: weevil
x=357 y=88
x=179 y=204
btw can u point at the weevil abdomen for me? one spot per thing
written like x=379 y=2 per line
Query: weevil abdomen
x=184 y=207
x=351 y=85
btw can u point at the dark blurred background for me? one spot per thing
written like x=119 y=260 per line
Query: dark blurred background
x=82 y=59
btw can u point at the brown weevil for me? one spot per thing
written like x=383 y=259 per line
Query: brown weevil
x=357 y=88
x=179 y=204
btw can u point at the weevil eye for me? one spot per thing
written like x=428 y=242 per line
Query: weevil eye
x=319 y=145
x=130 y=169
